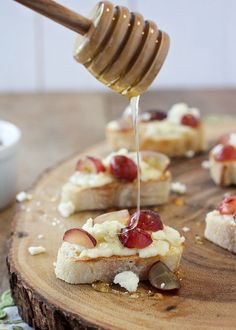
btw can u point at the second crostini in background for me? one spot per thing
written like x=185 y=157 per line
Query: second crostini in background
x=176 y=133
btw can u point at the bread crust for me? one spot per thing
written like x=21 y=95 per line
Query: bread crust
x=224 y=172
x=174 y=146
x=221 y=232
x=76 y=271
x=117 y=194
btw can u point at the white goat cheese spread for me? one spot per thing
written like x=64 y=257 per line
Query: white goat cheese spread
x=179 y=110
x=127 y=280
x=218 y=217
x=113 y=125
x=108 y=243
x=165 y=128
x=87 y=180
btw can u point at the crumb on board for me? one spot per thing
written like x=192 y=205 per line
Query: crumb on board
x=178 y=187
x=40 y=236
x=23 y=196
x=34 y=250
x=205 y=164
x=66 y=209
x=185 y=229
x=190 y=154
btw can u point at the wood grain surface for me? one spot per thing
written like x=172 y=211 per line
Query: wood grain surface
x=206 y=299
x=54 y=126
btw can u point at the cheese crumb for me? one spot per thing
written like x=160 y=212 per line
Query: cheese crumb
x=33 y=250
x=163 y=285
x=190 y=154
x=185 y=229
x=127 y=280
x=66 y=209
x=205 y=164
x=178 y=188
x=232 y=139
x=23 y=196
x=40 y=236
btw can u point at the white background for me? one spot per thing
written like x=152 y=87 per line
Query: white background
x=36 y=54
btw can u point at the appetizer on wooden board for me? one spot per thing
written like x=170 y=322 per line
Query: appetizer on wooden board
x=221 y=224
x=112 y=182
x=176 y=133
x=116 y=242
x=223 y=161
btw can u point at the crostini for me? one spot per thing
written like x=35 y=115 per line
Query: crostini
x=223 y=161
x=112 y=182
x=221 y=224
x=116 y=242
x=180 y=132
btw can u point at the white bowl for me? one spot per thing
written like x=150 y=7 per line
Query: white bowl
x=10 y=137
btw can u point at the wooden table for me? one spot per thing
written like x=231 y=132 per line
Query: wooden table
x=56 y=125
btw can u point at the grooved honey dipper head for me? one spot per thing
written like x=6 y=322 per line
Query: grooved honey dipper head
x=121 y=49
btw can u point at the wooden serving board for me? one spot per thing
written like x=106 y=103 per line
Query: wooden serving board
x=206 y=300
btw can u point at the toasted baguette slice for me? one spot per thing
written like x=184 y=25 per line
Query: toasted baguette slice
x=167 y=136
x=117 y=194
x=75 y=271
x=112 y=192
x=115 y=242
x=221 y=230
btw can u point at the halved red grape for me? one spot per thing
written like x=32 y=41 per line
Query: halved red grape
x=228 y=205
x=190 y=120
x=79 y=236
x=226 y=153
x=135 y=238
x=151 y=115
x=90 y=165
x=123 y=168
x=147 y=220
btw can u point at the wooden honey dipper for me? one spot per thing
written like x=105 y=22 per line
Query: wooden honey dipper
x=118 y=47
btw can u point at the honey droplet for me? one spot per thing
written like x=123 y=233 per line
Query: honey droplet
x=179 y=201
x=101 y=287
x=198 y=240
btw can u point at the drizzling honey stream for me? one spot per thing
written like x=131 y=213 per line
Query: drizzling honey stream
x=134 y=104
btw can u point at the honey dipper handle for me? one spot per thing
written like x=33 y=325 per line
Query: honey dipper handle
x=59 y=14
